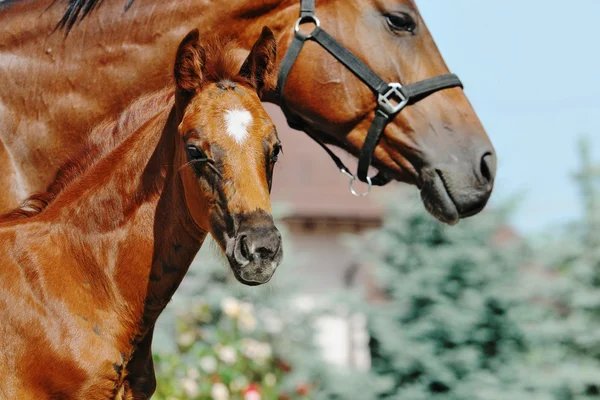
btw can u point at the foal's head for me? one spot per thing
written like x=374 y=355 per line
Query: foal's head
x=228 y=149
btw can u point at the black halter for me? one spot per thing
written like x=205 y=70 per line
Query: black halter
x=391 y=97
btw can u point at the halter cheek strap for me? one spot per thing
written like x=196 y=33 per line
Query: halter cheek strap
x=391 y=97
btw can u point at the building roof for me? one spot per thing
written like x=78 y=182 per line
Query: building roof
x=307 y=181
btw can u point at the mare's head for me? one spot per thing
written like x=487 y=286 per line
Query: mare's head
x=228 y=149
x=437 y=144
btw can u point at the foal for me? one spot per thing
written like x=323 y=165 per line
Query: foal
x=84 y=276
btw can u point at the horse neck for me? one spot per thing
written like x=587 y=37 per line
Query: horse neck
x=147 y=34
x=130 y=207
x=113 y=44
x=54 y=84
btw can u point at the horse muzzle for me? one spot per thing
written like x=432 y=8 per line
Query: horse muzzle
x=459 y=187
x=255 y=254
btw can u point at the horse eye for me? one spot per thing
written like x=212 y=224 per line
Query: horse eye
x=195 y=153
x=402 y=22
x=276 y=151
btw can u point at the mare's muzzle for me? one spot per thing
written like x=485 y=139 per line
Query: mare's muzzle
x=457 y=180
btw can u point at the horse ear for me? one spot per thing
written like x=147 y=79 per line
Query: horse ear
x=189 y=63
x=259 y=68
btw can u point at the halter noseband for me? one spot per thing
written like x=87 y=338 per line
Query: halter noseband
x=391 y=97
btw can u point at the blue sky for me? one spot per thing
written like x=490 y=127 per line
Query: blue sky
x=531 y=68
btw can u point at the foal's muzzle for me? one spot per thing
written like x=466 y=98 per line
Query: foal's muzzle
x=256 y=252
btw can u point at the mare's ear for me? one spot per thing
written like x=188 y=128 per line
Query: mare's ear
x=259 y=68
x=189 y=63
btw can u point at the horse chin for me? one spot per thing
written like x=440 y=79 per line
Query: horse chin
x=250 y=273
x=436 y=198
x=246 y=278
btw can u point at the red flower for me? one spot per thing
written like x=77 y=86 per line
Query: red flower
x=303 y=389
x=253 y=387
x=285 y=367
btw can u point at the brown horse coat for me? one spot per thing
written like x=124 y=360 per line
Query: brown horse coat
x=87 y=267
x=54 y=89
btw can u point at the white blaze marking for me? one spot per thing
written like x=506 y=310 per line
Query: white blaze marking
x=238 y=121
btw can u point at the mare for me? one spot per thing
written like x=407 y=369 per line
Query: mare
x=55 y=88
x=83 y=281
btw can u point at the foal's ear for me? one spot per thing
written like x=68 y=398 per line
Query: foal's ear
x=259 y=68
x=189 y=63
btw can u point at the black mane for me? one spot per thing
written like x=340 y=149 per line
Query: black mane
x=77 y=10
x=6 y=3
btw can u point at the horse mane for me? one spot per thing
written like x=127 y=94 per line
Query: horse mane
x=222 y=64
x=77 y=10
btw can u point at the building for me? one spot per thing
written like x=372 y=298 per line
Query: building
x=320 y=210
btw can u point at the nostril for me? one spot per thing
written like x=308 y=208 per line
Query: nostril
x=244 y=250
x=263 y=253
x=257 y=246
x=487 y=167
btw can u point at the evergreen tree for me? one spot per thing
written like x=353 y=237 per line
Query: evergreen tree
x=567 y=338
x=450 y=328
x=588 y=179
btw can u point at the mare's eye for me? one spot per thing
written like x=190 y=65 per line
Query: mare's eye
x=401 y=22
x=195 y=153
x=276 y=151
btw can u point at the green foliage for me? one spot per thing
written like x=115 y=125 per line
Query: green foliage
x=473 y=312
x=567 y=337
x=227 y=353
x=450 y=327
x=588 y=180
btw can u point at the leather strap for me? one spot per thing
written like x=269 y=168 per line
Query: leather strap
x=307 y=8
x=391 y=98
x=287 y=63
x=418 y=91
x=350 y=61
x=373 y=136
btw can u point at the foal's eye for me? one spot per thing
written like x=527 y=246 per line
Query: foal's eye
x=195 y=153
x=276 y=151
x=401 y=22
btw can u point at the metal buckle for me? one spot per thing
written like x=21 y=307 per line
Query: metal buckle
x=394 y=93
x=353 y=179
x=303 y=20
